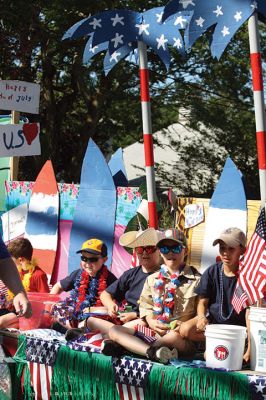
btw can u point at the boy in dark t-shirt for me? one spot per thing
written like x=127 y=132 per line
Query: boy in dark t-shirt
x=216 y=289
x=129 y=286
x=85 y=284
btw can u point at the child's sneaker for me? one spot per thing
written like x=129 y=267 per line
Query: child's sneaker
x=161 y=354
x=111 y=348
x=59 y=328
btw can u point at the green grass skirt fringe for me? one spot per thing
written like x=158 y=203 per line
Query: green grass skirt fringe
x=82 y=376
x=22 y=366
x=167 y=383
x=89 y=376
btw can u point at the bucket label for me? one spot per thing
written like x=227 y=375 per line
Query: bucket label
x=221 y=353
x=262 y=348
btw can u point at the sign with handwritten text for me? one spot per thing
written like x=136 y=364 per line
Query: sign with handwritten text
x=20 y=96
x=14 y=222
x=194 y=215
x=20 y=140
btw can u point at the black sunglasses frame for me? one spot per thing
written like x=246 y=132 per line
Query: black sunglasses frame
x=89 y=259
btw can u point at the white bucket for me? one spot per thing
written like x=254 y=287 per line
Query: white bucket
x=257 y=319
x=225 y=346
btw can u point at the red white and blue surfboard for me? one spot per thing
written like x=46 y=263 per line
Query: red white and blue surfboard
x=94 y=215
x=42 y=220
x=227 y=208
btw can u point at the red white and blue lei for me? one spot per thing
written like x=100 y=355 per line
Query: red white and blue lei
x=86 y=293
x=164 y=298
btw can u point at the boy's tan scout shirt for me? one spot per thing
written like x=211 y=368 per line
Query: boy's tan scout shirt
x=185 y=298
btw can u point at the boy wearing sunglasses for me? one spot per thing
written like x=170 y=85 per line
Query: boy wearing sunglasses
x=168 y=298
x=86 y=285
x=128 y=287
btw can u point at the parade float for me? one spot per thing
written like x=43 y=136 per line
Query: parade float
x=41 y=364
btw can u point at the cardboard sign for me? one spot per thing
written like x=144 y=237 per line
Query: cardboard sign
x=20 y=96
x=20 y=140
x=194 y=215
x=14 y=222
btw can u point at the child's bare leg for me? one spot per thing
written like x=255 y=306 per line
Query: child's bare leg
x=134 y=322
x=125 y=337
x=9 y=321
x=174 y=340
x=99 y=324
x=189 y=331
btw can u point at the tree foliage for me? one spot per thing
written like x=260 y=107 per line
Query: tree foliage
x=78 y=102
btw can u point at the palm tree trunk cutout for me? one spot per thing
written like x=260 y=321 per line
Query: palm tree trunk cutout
x=258 y=92
x=147 y=133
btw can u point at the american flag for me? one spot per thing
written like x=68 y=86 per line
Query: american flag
x=252 y=268
x=131 y=376
x=257 y=386
x=41 y=355
x=144 y=333
x=90 y=341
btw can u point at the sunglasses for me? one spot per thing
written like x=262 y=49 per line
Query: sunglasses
x=147 y=249
x=89 y=259
x=176 y=249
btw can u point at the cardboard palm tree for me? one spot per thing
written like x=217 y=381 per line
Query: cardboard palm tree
x=225 y=18
x=119 y=33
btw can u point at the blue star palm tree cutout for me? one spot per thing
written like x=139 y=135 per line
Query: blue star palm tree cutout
x=225 y=16
x=118 y=32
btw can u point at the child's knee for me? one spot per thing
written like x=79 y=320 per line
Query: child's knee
x=115 y=332
x=184 y=330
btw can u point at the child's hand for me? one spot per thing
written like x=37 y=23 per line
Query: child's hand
x=112 y=310
x=201 y=324
x=175 y=325
x=128 y=316
x=158 y=327
x=246 y=356
x=22 y=305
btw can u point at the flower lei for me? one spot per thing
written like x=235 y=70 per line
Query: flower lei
x=165 y=289
x=87 y=290
x=25 y=278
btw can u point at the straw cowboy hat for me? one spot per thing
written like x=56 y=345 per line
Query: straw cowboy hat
x=149 y=237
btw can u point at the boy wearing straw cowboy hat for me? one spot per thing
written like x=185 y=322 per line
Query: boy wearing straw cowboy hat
x=129 y=286
x=168 y=298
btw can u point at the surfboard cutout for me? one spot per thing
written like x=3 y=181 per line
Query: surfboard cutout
x=227 y=208
x=94 y=215
x=118 y=170
x=42 y=220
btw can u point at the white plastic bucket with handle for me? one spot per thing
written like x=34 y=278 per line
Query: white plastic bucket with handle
x=257 y=317
x=225 y=346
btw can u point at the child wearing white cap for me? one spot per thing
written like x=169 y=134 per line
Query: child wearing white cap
x=217 y=287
